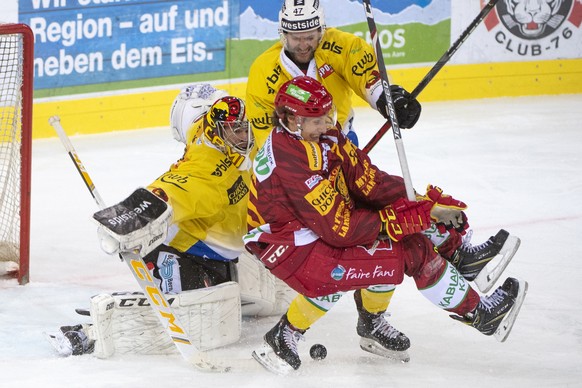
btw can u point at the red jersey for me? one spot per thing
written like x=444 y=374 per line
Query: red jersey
x=303 y=191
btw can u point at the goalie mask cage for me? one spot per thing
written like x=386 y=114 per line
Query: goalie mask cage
x=16 y=88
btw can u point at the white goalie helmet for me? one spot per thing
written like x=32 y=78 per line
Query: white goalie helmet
x=301 y=16
x=191 y=105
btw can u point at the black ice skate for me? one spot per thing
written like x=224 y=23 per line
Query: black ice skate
x=71 y=340
x=472 y=261
x=496 y=314
x=381 y=338
x=279 y=352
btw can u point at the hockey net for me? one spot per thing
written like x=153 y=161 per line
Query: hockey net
x=16 y=88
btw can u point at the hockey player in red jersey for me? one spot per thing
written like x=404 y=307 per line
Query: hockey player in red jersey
x=325 y=220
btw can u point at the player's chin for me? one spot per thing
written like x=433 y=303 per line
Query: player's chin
x=302 y=58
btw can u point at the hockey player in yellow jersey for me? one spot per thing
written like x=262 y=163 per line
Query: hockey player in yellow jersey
x=344 y=63
x=201 y=264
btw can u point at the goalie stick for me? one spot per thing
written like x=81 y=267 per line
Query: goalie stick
x=435 y=69
x=164 y=311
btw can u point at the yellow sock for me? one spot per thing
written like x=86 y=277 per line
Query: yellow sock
x=375 y=301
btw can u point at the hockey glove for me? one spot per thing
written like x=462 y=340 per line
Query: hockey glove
x=447 y=212
x=138 y=223
x=404 y=217
x=407 y=109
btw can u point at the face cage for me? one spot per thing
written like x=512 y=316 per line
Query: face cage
x=227 y=130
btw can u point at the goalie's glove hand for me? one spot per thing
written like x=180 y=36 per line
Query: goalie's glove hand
x=404 y=217
x=407 y=109
x=447 y=212
x=138 y=224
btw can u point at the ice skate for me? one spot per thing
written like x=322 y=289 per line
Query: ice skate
x=381 y=338
x=495 y=314
x=473 y=261
x=279 y=352
x=71 y=340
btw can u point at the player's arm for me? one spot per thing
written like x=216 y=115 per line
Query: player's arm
x=364 y=78
x=259 y=101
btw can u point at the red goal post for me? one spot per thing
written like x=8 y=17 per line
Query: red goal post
x=16 y=95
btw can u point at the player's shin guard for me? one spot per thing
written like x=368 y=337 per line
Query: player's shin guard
x=446 y=288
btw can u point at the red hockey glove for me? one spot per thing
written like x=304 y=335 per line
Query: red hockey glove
x=446 y=212
x=404 y=217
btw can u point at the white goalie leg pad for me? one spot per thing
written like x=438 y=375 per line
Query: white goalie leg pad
x=125 y=323
x=262 y=294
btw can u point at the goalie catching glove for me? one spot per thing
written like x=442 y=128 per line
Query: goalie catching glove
x=447 y=212
x=404 y=217
x=138 y=224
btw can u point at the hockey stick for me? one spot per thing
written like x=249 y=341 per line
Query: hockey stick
x=164 y=311
x=389 y=102
x=436 y=68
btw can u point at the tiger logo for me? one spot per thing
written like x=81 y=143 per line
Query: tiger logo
x=532 y=18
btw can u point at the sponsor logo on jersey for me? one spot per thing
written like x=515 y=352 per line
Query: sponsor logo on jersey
x=237 y=191
x=262 y=123
x=377 y=273
x=338 y=273
x=366 y=63
x=222 y=166
x=533 y=31
x=272 y=80
x=313 y=180
x=264 y=162
x=322 y=197
x=332 y=46
x=457 y=286
x=175 y=179
x=366 y=182
x=273 y=254
x=325 y=70
x=169 y=271
x=313 y=152
x=341 y=220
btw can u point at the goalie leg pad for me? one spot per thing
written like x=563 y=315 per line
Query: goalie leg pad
x=125 y=322
x=262 y=294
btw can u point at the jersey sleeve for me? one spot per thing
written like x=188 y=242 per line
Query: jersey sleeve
x=360 y=67
x=368 y=184
x=262 y=84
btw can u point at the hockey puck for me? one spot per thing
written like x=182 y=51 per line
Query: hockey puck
x=318 y=352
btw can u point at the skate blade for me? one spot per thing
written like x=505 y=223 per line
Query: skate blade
x=506 y=325
x=488 y=277
x=59 y=343
x=270 y=361
x=372 y=346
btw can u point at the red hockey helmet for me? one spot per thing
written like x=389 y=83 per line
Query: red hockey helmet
x=303 y=96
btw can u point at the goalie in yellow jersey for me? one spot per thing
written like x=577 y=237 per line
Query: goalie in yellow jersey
x=202 y=253
x=344 y=63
